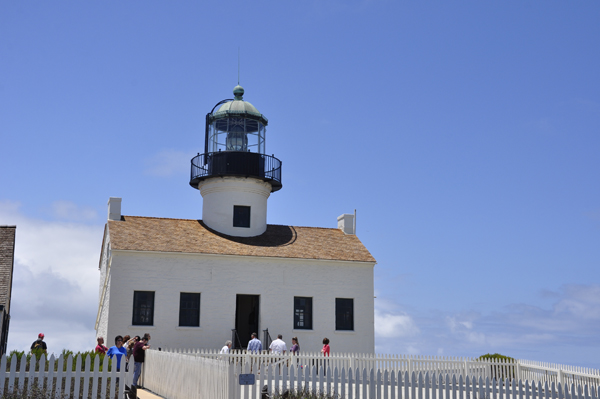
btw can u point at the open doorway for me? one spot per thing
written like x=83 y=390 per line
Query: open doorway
x=246 y=317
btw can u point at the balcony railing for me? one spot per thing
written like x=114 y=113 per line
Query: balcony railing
x=236 y=163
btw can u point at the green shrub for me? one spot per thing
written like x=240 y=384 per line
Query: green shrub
x=65 y=353
x=496 y=356
x=501 y=372
x=302 y=394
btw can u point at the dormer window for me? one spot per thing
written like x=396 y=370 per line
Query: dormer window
x=241 y=216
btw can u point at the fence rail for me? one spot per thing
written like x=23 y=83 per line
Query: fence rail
x=174 y=376
x=376 y=384
x=463 y=366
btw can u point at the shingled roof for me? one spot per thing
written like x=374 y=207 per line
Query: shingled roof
x=136 y=233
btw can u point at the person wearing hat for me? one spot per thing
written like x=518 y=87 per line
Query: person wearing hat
x=39 y=343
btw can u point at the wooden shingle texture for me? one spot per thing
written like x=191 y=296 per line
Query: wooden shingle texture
x=137 y=233
x=7 y=252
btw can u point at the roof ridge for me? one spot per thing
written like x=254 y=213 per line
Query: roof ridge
x=155 y=217
x=199 y=220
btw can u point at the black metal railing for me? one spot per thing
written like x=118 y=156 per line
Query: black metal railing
x=236 y=163
x=236 y=343
x=266 y=339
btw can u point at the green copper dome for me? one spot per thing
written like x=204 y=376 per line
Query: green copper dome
x=238 y=108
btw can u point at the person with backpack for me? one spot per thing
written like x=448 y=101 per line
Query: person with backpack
x=39 y=344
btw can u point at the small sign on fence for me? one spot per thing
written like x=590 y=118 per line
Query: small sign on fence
x=247 y=379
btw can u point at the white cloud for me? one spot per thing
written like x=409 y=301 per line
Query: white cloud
x=580 y=302
x=390 y=325
x=67 y=210
x=168 y=163
x=462 y=326
x=55 y=282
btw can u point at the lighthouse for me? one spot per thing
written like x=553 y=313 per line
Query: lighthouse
x=230 y=271
x=234 y=174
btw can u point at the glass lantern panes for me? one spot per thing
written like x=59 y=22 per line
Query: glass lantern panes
x=236 y=134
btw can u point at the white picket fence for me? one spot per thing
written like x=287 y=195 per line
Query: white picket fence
x=463 y=366
x=195 y=374
x=370 y=384
x=551 y=372
x=177 y=376
x=58 y=377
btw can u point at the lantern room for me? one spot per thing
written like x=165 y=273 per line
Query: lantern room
x=236 y=126
x=234 y=144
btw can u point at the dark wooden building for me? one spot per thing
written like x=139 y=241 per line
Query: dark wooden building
x=7 y=261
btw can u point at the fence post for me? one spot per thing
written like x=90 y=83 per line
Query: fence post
x=519 y=370
x=560 y=376
x=466 y=369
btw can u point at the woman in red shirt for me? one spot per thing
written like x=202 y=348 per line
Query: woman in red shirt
x=325 y=351
x=100 y=348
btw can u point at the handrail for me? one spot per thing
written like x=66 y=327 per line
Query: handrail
x=267 y=339
x=235 y=337
x=236 y=163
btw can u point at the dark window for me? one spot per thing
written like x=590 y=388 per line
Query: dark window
x=143 y=308
x=302 y=313
x=189 y=309
x=344 y=314
x=241 y=216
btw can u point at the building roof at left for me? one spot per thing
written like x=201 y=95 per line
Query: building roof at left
x=7 y=260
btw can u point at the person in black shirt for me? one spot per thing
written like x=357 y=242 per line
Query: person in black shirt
x=39 y=344
x=138 y=356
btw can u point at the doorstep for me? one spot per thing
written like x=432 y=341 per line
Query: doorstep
x=144 y=394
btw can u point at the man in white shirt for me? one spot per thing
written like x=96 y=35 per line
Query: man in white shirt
x=226 y=348
x=278 y=346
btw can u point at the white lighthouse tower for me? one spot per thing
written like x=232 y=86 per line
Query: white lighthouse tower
x=234 y=175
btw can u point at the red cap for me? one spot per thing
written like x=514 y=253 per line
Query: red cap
x=40 y=335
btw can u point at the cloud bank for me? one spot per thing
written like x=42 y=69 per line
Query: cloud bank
x=566 y=331
x=55 y=281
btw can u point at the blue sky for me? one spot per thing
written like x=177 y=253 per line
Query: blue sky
x=466 y=135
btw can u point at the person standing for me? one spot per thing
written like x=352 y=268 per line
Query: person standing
x=129 y=344
x=226 y=348
x=295 y=349
x=39 y=344
x=278 y=346
x=326 y=349
x=254 y=345
x=139 y=353
x=100 y=348
x=117 y=350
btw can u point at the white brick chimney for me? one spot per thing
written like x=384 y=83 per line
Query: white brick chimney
x=114 y=208
x=346 y=223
